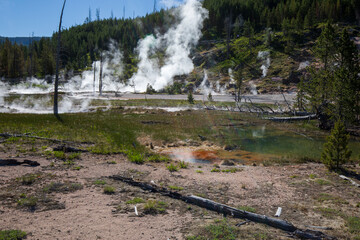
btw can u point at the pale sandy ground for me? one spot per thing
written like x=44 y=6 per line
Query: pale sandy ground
x=89 y=213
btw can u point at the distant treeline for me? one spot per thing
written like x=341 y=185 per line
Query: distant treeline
x=82 y=44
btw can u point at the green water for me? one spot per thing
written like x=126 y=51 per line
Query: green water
x=265 y=140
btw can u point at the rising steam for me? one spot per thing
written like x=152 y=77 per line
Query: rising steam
x=178 y=41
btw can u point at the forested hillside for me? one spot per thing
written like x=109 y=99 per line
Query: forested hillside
x=82 y=44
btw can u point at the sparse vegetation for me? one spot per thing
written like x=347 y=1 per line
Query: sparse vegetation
x=62 y=187
x=215 y=170
x=155 y=207
x=99 y=182
x=12 y=235
x=199 y=171
x=221 y=229
x=109 y=190
x=28 y=202
x=176 y=188
x=353 y=224
x=135 y=200
x=183 y=164
x=172 y=167
x=247 y=208
x=28 y=179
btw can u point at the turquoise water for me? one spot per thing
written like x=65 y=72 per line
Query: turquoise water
x=264 y=140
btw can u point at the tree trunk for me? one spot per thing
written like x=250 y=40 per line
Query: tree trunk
x=56 y=93
x=94 y=77
x=101 y=71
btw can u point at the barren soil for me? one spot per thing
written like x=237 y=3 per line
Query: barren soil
x=308 y=194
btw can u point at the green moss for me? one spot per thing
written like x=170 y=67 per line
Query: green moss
x=12 y=235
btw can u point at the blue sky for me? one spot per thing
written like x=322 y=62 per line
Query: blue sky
x=21 y=18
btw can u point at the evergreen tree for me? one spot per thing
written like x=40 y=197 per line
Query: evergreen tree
x=336 y=151
x=190 y=97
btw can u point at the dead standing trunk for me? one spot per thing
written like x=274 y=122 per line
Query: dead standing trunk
x=56 y=93
x=101 y=71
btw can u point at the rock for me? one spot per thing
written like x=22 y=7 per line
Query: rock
x=230 y=147
x=227 y=162
x=202 y=138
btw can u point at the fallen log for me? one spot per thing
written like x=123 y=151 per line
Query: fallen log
x=14 y=162
x=7 y=135
x=289 y=119
x=350 y=180
x=227 y=210
x=67 y=149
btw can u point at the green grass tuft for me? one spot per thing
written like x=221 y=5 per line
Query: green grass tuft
x=135 y=200
x=155 y=207
x=172 y=167
x=109 y=190
x=176 y=188
x=12 y=235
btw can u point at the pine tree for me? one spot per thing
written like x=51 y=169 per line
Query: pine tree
x=190 y=98
x=336 y=151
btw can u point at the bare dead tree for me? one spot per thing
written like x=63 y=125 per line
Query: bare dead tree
x=101 y=74
x=56 y=93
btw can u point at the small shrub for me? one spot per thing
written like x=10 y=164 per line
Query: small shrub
x=322 y=182
x=172 y=167
x=215 y=170
x=220 y=230
x=155 y=207
x=358 y=205
x=232 y=170
x=112 y=162
x=73 y=156
x=312 y=176
x=69 y=163
x=183 y=164
x=12 y=235
x=136 y=200
x=62 y=187
x=136 y=158
x=199 y=171
x=28 y=179
x=77 y=168
x=59 y=155
x=99 y=182
x=158 y=158
x=109 y=190
x=29 y=202
x=353 y=224
x=247 y=208
x=176 y=188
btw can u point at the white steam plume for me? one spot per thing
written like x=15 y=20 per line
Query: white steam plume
x=265 y=56
x=178 y=42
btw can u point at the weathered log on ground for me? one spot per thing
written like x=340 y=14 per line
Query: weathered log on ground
x=289 y=119
x=8 y=135
x=14 y=162
x=350 y=180
x=67 y=149
x=227 y=210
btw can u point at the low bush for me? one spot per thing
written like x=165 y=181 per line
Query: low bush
x=12 y=235
x=109 y=190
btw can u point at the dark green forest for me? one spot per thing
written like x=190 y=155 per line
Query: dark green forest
x=82 y=44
